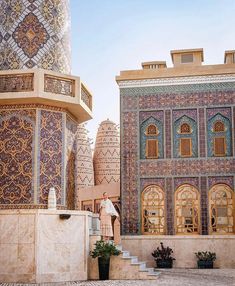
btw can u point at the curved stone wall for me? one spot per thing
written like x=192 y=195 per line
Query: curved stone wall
x=107 y=154
x=35 y=33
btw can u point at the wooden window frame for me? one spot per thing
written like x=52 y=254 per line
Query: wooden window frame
x=157 y=155
x=225 y=147
x=191 y=153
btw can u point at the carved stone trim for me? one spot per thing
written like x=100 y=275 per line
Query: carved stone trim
x=86 y=96
x=16 y=82
x=59 y=85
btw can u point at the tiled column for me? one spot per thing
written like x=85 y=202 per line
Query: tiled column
x=202 y=139
x=170 y=206
x=204 y=206
x=168 y=133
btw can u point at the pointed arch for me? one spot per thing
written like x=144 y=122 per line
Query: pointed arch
x=185 y=137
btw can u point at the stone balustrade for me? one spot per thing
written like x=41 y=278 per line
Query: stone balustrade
x=38 y=86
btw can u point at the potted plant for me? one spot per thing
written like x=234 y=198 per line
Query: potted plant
x=205 y=259
x=163 y=256
x=103 y=250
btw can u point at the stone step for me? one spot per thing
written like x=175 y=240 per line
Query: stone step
x=125 y=254
x=132 y=258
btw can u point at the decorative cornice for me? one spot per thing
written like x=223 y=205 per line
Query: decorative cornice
x=178 y=89
x=177 y=81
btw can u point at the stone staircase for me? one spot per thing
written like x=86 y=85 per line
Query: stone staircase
x=122 y=267
x=126 y=266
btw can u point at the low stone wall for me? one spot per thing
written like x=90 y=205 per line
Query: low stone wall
x=184 y=248
x=37 y=246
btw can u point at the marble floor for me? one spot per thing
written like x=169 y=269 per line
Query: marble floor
x=173 y=277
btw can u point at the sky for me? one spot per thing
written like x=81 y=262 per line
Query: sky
x=113 y=35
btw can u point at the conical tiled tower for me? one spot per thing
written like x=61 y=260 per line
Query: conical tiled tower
x=85 y=172
x=107 y=154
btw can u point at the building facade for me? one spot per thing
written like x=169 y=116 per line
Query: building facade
x=177 y=146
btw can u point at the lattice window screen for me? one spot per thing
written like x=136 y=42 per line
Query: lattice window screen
x=151 y=130
x=185 y=128
x=219 y=126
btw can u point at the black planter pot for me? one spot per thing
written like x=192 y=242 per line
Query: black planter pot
x=103 y=263
x=203 y=264
x=164 y=263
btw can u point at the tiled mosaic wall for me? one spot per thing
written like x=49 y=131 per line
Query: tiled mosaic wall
x=42 y=147
x=196 y=104
x=31 y=156
x=35 y=33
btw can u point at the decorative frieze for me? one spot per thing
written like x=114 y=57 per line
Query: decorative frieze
x=172 y=81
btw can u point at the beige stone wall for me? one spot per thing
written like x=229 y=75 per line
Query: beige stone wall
x=36 y=246
x=184 y=248
x=95 y=193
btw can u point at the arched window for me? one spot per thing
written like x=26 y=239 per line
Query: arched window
x=219 y=127
x=185 y=137
x=185 y=128
x=219 y=136
x=151 y=139
x=221 y=209
x=219 y=141
x=187 y=202
x=151 y=130
x=153 y=221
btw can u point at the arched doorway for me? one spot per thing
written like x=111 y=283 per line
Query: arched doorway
x=221 y=209
x=187 y=210
x=153 y=218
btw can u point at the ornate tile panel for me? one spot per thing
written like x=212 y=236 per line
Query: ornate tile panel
x=144 y=182
x=17 y=129
x=192 y=135
x=129 y=155
x=51 y=155
x=71 y=188
x=144 y=137
x=224 y=116
x=187 y=180
x=185 y=167
x=221 y=180
x=35 y=34
x=155 y=100
x=204 y=205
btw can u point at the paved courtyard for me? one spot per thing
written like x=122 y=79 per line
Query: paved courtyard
x=174 y=277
